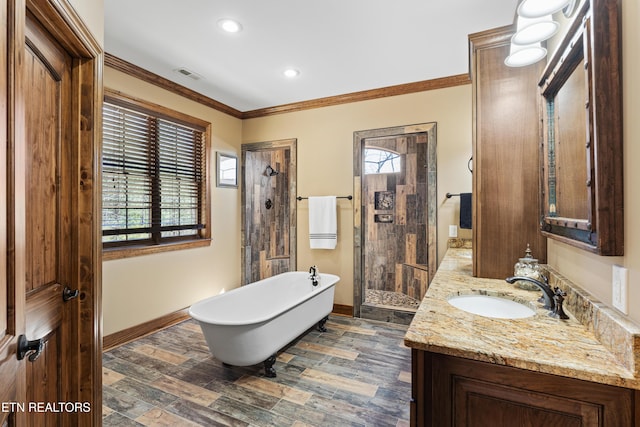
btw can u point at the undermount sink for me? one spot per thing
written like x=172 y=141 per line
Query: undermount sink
x=491 y=306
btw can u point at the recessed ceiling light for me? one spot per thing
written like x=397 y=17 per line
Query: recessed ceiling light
x=229 y=25
x=291 y=72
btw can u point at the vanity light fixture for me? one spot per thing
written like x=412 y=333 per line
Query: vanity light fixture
x=521 y=56
x=229 y=25
x=570 y=8
x=538 y=8
x=533 y=30
x=291 y=73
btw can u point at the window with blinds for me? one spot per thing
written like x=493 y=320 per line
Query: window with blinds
x=153 y=176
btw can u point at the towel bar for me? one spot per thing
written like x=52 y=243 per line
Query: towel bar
x=337 y=197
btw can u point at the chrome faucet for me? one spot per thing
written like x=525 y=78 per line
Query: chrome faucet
x=315 y=275
x=552 y=298
x=547 y=292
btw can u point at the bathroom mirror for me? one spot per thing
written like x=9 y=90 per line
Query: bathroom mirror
x=582 y=134
x=227 y=170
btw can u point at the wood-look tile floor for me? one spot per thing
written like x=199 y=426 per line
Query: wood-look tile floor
x=358 y=373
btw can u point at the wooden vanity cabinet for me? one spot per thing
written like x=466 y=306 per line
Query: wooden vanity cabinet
x=506 y=167
x=452 y=391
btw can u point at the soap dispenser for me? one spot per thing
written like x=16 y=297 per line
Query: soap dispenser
x=527 y=266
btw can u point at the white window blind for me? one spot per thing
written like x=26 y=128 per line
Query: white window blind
x=153 y=178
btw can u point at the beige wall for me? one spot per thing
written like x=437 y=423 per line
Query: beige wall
x=92 y=14
x=591 y=271
x=136 y=290
x=325 y=162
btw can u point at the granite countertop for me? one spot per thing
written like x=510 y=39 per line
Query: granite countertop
x=595 y=344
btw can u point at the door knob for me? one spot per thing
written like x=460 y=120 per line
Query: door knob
x=69 y=294
x=25 y=346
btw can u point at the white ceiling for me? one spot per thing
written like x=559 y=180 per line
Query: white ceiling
x=339 y=46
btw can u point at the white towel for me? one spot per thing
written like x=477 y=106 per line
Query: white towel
x=323 y=226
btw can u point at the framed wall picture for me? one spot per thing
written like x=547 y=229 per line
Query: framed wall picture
x=227 y=172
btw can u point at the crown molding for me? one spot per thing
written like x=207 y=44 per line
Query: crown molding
x=116 y=63
x=403 y=89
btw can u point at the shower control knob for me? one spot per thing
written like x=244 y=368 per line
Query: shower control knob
x=69 y=294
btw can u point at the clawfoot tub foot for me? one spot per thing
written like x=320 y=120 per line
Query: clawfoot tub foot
x=321 y=323
x=269 y=372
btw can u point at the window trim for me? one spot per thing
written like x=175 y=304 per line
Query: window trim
x=204 y=235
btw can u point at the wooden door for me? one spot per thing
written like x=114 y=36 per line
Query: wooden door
x=48 y=212
x=50 y=125
x=11 y=388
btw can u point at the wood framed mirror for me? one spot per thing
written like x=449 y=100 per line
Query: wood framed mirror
x=581 y=115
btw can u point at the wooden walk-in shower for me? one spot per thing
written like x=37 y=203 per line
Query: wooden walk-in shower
x=395 y=226
x=268 y=209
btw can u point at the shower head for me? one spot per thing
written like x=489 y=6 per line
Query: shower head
x=271 y=171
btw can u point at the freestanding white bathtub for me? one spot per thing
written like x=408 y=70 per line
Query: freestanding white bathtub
x=248 y=325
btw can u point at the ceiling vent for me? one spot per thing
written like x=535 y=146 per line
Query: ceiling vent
x=188 y=73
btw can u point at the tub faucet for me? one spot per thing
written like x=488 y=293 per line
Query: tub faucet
x=547 y=292
x=315 y=275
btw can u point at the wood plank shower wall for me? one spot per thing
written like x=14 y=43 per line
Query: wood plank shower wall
x=267 y=230
x=396 y=252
